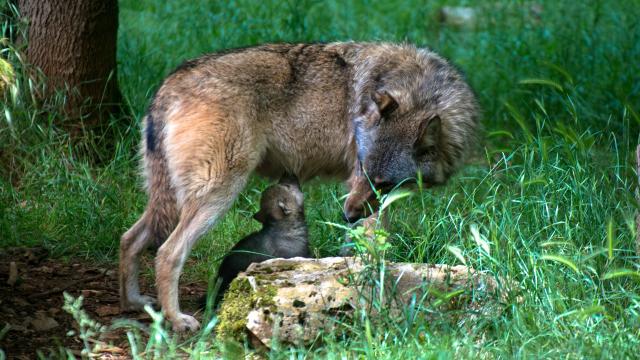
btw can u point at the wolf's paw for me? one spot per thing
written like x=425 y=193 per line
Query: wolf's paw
x=184 y=323
x=137 y=303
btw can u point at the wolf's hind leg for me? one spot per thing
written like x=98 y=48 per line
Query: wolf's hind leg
x=196 y=218
x=132 y=244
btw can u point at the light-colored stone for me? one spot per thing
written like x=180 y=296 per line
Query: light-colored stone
x=43 y=323
x=13 y=274
x=466 y=17
x=306 y=296
x=460 y=16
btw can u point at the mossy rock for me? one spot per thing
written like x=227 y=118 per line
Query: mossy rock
x=295 y=301
x=236 y=304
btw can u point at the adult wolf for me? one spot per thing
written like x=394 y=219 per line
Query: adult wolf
x=334 y=110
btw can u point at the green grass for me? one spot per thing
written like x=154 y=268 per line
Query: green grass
x=551 y=193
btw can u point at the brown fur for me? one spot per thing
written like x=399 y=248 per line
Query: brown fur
x=337 y=110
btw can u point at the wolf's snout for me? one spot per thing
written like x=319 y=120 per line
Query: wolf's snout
x=352 y=216
x=353 y=209
x=357 y=208
x=383 y=184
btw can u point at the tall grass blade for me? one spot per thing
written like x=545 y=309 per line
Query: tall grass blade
x=543 y=82
x=520 y=120
x=561 y=260
x=621 y=273
x=610 y=238
x=457 y=253
x=479 y=239
x=393 y=197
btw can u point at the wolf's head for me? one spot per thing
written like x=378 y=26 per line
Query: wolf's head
x=413 y=117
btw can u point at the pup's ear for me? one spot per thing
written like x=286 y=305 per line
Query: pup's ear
x=260 y=216
x=284 y=208
x=290 y=179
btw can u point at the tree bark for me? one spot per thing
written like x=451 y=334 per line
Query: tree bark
x=73 y=42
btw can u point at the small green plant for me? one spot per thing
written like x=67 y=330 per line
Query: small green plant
x=88 y=329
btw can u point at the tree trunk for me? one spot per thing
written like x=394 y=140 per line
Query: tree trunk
x=73 y=42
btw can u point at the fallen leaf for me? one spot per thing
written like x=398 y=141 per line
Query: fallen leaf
x=107 y=310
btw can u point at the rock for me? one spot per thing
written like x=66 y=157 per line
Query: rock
x=53 y=311
x=45 y=269
x=466 y=17
x=43 y=323
x=13 y=273
x=536 y=10
x=459 y=16
x=20 y=328
x=21 y=302
x=35 y=255
x=293 y=300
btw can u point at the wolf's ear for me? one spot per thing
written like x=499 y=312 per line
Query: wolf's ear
x=430 y=135
x=382 y=104
x=385 y=102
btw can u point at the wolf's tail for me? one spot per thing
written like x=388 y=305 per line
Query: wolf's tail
x=162 y=210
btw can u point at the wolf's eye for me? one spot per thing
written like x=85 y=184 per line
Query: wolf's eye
x=388 y=110
x=426 y=151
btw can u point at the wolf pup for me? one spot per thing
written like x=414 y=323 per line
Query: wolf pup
x=284 y=232
x=386 y=111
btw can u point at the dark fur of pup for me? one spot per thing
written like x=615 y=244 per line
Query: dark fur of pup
x=284 y=232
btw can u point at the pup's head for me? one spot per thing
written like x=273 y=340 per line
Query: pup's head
x=281 y=201
x=413 y=115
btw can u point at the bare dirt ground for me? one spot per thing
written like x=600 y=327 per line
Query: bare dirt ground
x=31 y=300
